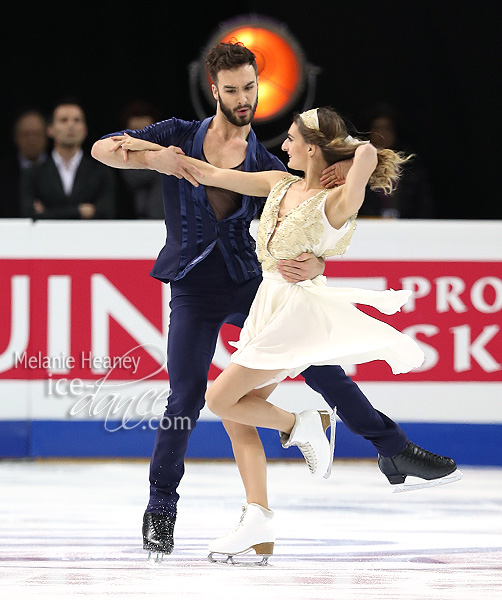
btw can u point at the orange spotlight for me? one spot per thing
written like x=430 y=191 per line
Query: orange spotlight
x=281 y=64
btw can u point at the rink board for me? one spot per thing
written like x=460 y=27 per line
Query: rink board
x=469 y=444
x=74 y=296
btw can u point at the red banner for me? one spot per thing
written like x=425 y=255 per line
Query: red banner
x=80 y=318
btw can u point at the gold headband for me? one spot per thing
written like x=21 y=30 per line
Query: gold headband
x=310 y=118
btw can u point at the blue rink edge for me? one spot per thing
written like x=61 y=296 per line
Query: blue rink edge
x=467 y=443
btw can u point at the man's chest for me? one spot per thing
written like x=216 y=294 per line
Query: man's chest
x=225 y=155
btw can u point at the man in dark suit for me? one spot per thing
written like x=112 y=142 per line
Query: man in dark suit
x=69 y=184
x=213 y=271
x=30 y=141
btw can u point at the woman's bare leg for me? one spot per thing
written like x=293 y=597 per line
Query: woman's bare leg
x=250 y=456
x=233 y=396
x=251 y=461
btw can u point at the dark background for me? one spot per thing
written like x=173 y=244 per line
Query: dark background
x=436 y=62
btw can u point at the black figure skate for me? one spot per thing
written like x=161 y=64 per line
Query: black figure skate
x=414 y=461
x=158 y=537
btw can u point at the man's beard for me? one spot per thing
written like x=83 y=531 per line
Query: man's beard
x=234 y=118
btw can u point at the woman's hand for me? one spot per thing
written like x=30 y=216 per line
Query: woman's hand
x=127 y=144
x=169 y=161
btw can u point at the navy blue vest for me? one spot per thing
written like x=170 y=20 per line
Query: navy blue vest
x=192 y=228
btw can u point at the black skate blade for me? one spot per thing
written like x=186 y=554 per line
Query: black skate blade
x=410 y=487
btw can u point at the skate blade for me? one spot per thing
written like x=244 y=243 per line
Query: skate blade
x=155 y=558
x=410 y=487
x=262 y=551
x=239 y=560
x=332 y=424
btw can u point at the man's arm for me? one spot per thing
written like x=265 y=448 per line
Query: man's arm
x=107 y=152
x=105 y=200
x=35 y=208
x=28 y=208
x=306 y=266
x=169 y=161
x=336 y=174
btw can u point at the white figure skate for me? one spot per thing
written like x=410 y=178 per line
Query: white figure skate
x=253 y=532
x=309 y=435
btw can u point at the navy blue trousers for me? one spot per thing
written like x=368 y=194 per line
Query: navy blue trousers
x=201 y=303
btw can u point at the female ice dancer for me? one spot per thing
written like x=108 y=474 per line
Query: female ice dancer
x=293 y=326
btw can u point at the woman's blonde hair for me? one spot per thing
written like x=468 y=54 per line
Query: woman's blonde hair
x=335 y=144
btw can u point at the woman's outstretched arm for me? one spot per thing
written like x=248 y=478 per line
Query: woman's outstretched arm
x=250 y=184
x=242 y=182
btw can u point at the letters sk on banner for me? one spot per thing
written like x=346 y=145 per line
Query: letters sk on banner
x=83 y=318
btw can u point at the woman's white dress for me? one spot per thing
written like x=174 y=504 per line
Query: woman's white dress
x=292 y=326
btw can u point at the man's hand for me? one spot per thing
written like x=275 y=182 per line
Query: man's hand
x=87 y=211
x=306 y=266
x=336 y=174
x=170 y=161
x=38 y=207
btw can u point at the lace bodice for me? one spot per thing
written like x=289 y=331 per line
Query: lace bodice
x=304 y=228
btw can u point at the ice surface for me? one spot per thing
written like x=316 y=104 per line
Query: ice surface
x=72 y=529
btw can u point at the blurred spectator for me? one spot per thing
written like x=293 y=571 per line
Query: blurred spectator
x=140 y=192
x=30 y=141
x=412 y=199
x=69 y=184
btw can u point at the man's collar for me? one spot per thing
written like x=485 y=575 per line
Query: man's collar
x=25 y=163
x=75 y=159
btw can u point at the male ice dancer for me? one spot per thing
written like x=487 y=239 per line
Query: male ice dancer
x=210 y=263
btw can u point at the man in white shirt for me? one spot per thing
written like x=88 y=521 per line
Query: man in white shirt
x=69 y=185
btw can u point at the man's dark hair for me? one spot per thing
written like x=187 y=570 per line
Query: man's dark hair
x=24 y=112
x=64 y=101
x=139 y=108
x=228 y=56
